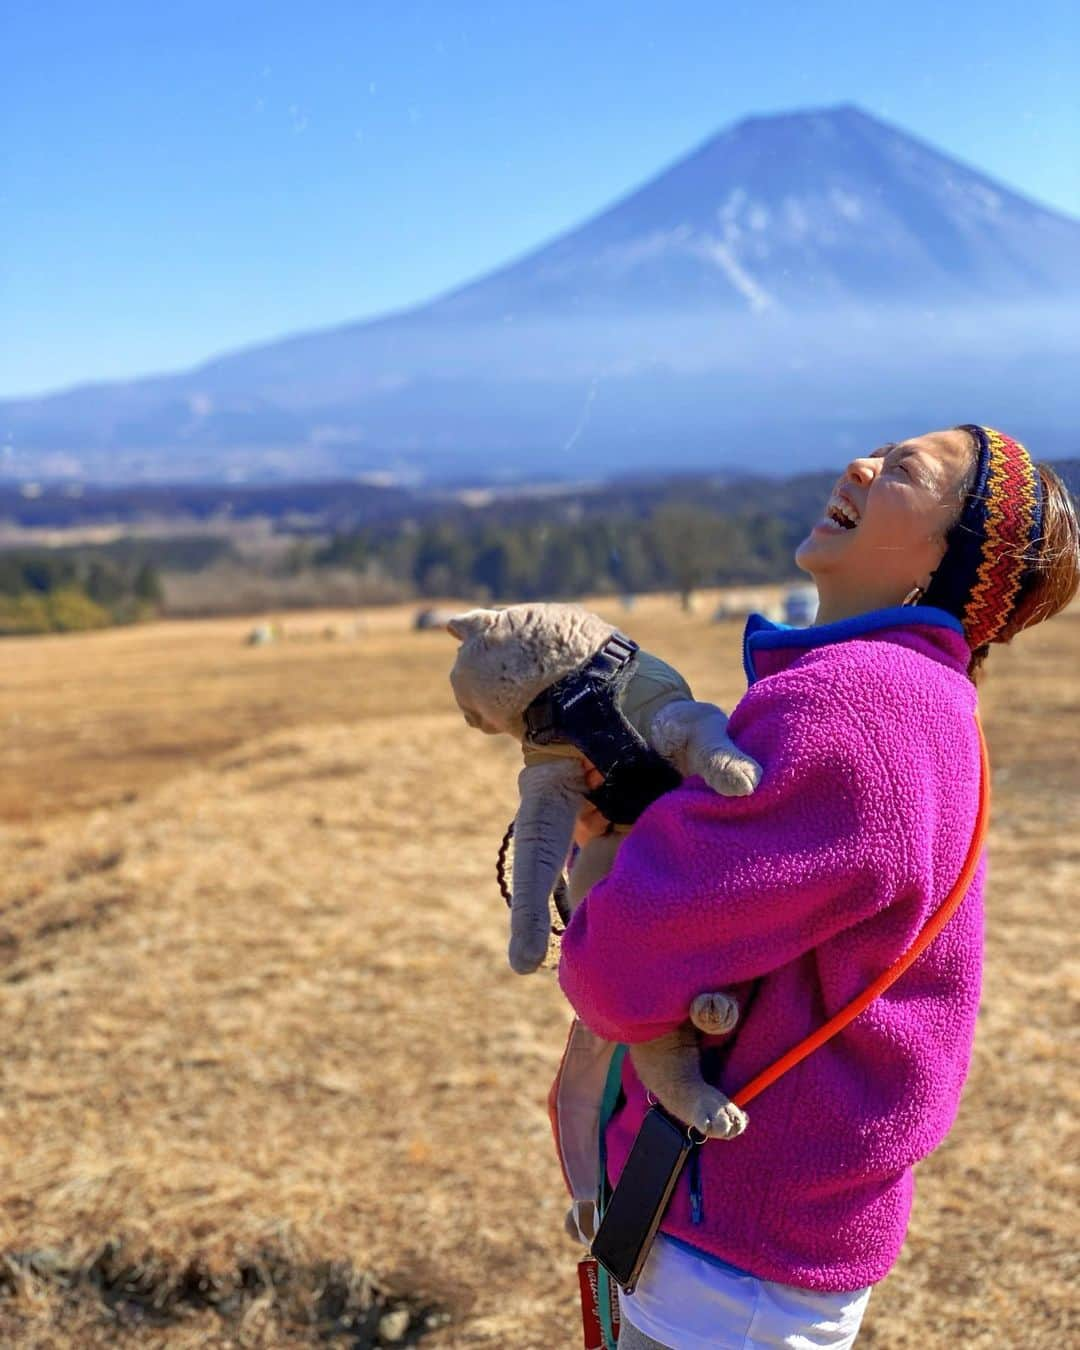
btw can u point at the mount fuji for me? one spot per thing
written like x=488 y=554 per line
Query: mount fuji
x=797 y=287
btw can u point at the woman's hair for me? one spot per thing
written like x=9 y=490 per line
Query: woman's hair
x=1054 y=578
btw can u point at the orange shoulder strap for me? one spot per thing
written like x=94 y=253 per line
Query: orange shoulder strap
x=932 y=928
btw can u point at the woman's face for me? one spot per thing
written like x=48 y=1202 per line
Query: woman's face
x=883 y=529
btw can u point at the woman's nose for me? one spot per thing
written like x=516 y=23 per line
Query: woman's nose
x=861 y=471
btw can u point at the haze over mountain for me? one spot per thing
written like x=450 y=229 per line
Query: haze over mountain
x=798 y=287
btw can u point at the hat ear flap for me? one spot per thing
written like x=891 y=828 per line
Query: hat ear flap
x=472 y=623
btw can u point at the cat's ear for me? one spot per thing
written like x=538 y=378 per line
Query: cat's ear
x=472 y=623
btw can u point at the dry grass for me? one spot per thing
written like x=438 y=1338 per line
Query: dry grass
x=258 y=1017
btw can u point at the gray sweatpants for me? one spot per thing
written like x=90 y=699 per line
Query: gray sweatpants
x=632 y=1339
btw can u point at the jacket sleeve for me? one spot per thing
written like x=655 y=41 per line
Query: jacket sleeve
x=708 y=891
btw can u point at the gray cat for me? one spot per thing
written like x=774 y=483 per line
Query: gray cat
x=507 y=657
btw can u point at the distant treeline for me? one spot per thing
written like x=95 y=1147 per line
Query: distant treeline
x=679 y=533
x=561 y=549
x=60 y=591
x=355 y=544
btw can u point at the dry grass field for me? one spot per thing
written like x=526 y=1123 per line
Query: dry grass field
x=267 y=1078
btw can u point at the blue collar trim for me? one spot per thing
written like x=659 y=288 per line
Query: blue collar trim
x=762 y=634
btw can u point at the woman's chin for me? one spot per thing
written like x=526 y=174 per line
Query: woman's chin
x=822 y=545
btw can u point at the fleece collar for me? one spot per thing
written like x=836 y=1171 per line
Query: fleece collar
x=763 y=635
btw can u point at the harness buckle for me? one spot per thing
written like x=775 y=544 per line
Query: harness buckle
x=540 y=719
x=616 y=652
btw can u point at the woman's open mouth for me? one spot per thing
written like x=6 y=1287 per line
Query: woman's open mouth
x=839 y=515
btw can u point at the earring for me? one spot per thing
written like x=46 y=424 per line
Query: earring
x=913 y=596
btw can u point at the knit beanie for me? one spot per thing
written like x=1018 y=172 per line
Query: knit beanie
x=992 y=548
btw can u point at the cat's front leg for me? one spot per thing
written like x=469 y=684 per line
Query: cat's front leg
x=670 y=1068
x=552 y=794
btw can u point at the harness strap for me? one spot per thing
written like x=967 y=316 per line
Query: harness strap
x=584 y=709
x=931 y=929
x=612 y=664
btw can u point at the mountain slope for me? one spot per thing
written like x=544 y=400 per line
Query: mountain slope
x=794 y=284
x=798 y=210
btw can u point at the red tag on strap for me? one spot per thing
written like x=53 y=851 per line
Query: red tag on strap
x=591 y=1325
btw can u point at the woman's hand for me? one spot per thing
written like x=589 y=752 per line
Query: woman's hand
x=590 y=823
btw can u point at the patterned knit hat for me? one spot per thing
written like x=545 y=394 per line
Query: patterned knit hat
x=990 y=551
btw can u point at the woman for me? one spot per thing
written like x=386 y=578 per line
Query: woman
x=797 y=897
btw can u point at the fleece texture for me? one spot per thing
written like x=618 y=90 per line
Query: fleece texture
x=795 y=898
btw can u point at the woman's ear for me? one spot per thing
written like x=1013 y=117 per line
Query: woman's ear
x=473 y=622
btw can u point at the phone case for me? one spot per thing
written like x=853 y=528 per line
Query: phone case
x=641 y=1196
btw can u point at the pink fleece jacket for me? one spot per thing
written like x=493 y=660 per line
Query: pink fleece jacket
x=795 y=898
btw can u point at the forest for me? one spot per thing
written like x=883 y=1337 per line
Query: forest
x=64 y=590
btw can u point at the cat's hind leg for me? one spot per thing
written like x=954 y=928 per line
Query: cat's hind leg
x=670 y=1068
x=715 y=1014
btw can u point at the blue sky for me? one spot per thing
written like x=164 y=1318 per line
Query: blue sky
x=179 y=180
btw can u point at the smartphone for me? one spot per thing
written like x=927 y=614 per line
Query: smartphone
x=641 y=1196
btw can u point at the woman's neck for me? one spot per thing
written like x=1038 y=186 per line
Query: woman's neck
x=835 y=603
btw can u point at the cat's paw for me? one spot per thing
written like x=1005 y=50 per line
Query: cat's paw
x=530 y=933
x=731 y=773
x=716 y=1117
x=527 y=952
x=714 y=1014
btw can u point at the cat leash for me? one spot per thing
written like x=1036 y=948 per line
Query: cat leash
x=599 y=1306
